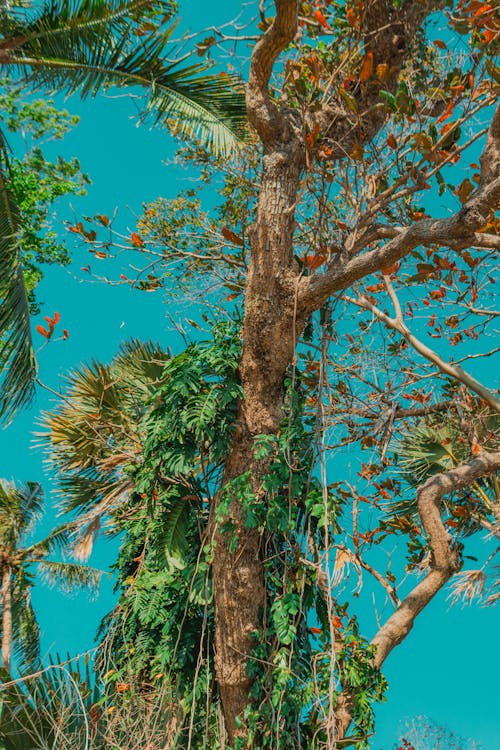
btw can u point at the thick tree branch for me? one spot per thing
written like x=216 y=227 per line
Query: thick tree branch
x=263 y=113
x=444 y=559
x=460 y=228
x=388 y=35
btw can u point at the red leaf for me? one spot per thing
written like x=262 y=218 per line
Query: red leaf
x=43 y=332
x=391 y=141
x=136 y=240
x=318 y=15
x=314 y=261
x=447 y=113
x=315 y=631
x=65 y=334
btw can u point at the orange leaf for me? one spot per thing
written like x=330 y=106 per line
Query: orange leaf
x=65 y=334
x=488 y=35
x=439 y=43
x=447 y=113
x=352 y=17
x=230 y=236
x=476 y=448
x=367 y=67
x=383 y=72
x=42 y=330
x=314 y=261
x=136 y=240
x=57 y=318
x=391 y=141
x=315 y=631
x=318 y=15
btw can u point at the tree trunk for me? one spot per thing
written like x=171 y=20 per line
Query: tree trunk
x=6 y=617
x=270 y=331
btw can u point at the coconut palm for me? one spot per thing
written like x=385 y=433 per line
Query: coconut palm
x=88 y=46
x=20 y=509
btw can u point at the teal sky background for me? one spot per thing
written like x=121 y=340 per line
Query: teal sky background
x=447 y=668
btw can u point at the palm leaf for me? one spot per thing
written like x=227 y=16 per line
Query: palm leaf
x=17 y=359
x=57 y=540
x=48 y=711
x=94 y=433
x=90 y=46
x=69 y=576
x=26 y=636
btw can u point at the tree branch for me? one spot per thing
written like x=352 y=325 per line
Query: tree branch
x=462 y=227
x=263 y=113
x=444 y=559
x=388 y=35
x=450 y=369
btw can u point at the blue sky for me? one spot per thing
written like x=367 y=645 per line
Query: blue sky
x=447 y=667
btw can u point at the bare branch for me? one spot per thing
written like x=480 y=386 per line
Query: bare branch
x=444 y=559
x=448 y=368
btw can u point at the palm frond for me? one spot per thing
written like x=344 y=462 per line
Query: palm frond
x=26 y=638
x=57 y=540
x=49 y=710
x=90 y=46
x=30 y=498
x=94 y=433
x=69 y=576
x=20 y=508
x=17 y=359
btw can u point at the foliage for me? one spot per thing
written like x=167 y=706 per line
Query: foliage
x=89 y=46
x=377 y=397
x=37 y=183
x=20 y=509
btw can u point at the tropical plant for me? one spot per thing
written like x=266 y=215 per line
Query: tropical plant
x=56 y=708
x=87 y=47
x=361 y=117
x=20 y=509
x=97 y=431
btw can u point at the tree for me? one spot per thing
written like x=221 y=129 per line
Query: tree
x=86 y=48
x=20 y=509
x=360 y=135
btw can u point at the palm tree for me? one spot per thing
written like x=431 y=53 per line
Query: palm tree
x=86 y=47
x=20 y=509
x=96 y=431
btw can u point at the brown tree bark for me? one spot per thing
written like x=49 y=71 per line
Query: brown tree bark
x=6 y=592
x=270 y=331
